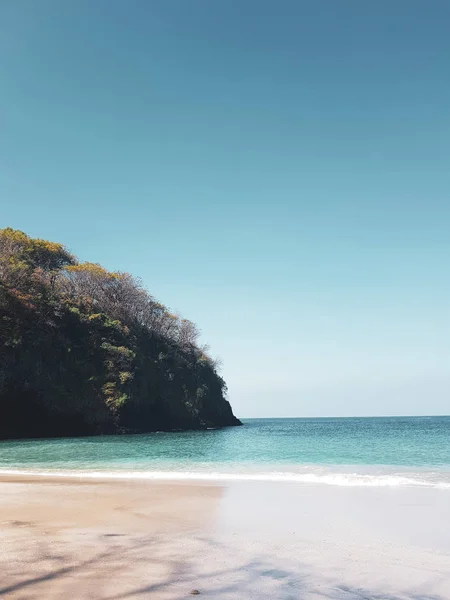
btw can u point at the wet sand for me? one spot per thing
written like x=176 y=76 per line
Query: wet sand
x=133 y=539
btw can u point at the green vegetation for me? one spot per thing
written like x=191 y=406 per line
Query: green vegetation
x=84 y=351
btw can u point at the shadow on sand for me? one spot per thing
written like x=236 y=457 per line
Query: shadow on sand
x=146 y=567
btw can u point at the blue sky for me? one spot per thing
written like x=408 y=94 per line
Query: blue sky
x=278 y=172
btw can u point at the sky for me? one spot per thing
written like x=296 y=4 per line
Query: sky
x=276 y=171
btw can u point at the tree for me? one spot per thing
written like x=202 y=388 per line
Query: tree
x=22 y=257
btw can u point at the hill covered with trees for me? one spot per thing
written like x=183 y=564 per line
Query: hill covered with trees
x=85 y=351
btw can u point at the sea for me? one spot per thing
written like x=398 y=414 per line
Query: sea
x=379 y=451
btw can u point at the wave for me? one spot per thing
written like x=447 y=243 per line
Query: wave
x=330 y=478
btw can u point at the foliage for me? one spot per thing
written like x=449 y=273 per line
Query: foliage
x=87 y=351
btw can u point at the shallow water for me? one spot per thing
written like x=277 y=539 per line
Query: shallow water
x=341 y=451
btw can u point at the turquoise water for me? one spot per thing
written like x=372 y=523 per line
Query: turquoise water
x=357 y=451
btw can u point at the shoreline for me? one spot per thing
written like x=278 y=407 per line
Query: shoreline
x=105 y=540
x=372 y=476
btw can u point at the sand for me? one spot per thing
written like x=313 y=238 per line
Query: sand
x=135 y=540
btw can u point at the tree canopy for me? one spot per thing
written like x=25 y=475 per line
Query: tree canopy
x=85 y=350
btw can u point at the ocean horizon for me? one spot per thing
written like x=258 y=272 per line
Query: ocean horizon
x=340 y=451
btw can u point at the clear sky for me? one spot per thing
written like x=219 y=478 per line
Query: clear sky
x=277 y=171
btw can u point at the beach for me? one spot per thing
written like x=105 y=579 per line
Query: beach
x=105 y=539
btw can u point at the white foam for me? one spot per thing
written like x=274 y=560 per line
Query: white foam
x=331 y=478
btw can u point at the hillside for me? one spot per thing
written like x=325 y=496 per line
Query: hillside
x=85 y=351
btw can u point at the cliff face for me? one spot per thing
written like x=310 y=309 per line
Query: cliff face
x=86 y=352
